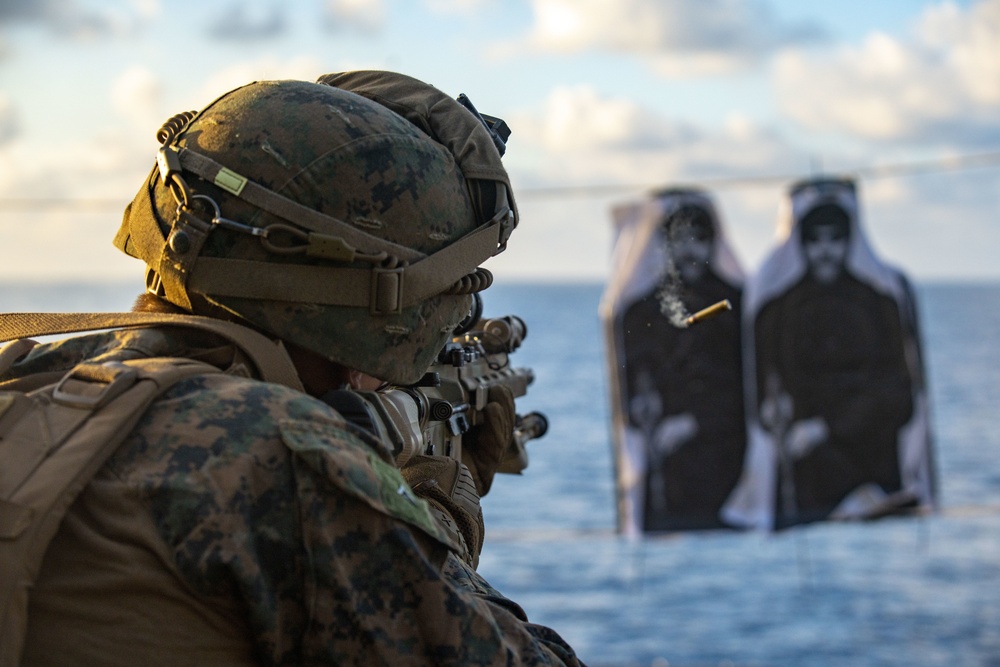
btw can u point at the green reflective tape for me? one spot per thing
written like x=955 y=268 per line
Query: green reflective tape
x=230 y=181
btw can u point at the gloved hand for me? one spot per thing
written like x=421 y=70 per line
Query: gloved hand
x=449 y=489
x=486 y=445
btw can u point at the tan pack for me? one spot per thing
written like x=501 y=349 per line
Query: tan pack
x=56 y=433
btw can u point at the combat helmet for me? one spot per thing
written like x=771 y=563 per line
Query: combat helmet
x=347 y=216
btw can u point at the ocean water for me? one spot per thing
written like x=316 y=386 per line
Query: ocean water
x=900 y=591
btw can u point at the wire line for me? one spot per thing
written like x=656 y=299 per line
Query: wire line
x=934 y=165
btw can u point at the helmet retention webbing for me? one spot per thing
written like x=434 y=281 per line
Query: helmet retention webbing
x=399 y=277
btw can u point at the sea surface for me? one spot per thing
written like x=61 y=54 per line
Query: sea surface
x=899 y=591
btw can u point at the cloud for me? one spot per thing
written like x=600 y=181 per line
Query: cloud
x=941 y=85
x=364 y=15
x=26 y=10
x=580 y=136
x=108 y=165
x=68 y=18
x=580 y=139
x=579 y=119
x=148 y=9
x=77 y=20
x=456 y=6
x=971 y=42
x=137 y=95
x=9 y=125
x=110 y=158
x=304 y=68
x=245 y=21
x=678 y=38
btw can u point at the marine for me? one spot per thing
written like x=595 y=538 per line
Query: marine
x=243 y=521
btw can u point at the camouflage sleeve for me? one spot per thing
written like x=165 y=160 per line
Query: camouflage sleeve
x=267 y=496
x=510 y=618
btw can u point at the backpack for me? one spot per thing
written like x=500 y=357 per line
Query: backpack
x=57 y=432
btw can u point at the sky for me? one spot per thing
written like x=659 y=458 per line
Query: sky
x=606 y=99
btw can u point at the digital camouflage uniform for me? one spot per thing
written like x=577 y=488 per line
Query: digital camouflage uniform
x=243 y=522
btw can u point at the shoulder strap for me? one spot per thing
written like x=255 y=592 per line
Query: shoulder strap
x=13 y=351
x=52 y=442
x=269 y=356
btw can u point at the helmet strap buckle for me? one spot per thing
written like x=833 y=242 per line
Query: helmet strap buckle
x=386 y=295
x=506 y=221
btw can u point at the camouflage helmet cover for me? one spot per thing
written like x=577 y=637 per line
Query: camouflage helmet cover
x=306 y=208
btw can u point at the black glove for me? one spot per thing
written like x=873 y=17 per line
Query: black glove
x=485 y=446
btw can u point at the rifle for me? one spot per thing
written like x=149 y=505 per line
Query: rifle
x=431 y=416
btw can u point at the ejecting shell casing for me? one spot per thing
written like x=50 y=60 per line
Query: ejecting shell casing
x=711 y=311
